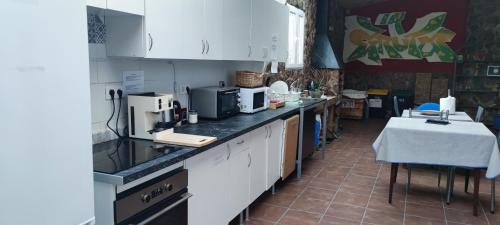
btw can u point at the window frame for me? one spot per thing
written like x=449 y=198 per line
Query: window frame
x=298 y=38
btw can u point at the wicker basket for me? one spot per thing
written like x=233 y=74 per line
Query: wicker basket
x=249 y=79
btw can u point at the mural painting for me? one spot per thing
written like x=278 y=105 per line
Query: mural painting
x=369 y=42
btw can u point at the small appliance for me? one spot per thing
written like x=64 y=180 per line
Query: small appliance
x=149 y=113
x=253 y=99
x=216 y=102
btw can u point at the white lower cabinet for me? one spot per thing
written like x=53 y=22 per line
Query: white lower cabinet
x=228 y=178
x=239 y=180
x=274 y=151
x=208 y=182
x=258 y=152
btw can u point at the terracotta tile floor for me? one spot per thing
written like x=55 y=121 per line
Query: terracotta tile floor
x=349 y=187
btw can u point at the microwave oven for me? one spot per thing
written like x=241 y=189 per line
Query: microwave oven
x=216 y=102
x=253 y=99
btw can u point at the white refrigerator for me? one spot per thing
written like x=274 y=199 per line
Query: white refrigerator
x=45 y=125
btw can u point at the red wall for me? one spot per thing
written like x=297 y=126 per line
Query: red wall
x=455 y=20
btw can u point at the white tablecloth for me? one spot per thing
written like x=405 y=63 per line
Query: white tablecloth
x=458 y=116
x=461 y=144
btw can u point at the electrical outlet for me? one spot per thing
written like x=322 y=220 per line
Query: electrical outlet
x=112 y=86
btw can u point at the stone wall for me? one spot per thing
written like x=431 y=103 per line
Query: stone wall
x=482 y=49
x=331 y=80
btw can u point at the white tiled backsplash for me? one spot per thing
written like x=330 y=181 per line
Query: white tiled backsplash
x=158 y=76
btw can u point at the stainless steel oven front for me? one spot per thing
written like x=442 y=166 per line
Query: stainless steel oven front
x=161 y=201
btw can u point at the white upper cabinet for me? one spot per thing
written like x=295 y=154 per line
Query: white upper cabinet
x=174 y=29
x=237 y=20
x=269 y=30
x=127 y=6
x=251 y=30
x=97 y=3
x=121 y=6
x=262 y=15
x=213 y=31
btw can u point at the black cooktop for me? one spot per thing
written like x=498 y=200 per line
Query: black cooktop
x=121 y=154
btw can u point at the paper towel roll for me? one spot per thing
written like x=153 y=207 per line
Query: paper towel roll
x=448 y=103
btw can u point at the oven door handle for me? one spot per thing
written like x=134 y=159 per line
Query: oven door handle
x=184 y=198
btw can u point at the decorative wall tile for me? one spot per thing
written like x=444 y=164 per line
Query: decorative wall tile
x=96 y=29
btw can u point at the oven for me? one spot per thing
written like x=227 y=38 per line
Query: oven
x=216 y=102
x=253 y=99
x=161 y=201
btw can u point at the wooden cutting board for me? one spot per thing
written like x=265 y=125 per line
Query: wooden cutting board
x=169 y=137
x=291 y=134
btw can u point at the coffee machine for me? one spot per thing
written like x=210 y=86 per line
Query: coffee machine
x=149 y=113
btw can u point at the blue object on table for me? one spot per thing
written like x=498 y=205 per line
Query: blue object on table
x=429 y=106
x=497 y=122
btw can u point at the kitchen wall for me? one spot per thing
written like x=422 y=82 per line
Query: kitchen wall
x=159 y=77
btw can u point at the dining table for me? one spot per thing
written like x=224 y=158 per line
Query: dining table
x=459 y=143
x=457 y=116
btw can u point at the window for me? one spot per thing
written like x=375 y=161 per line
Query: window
x=296 y=23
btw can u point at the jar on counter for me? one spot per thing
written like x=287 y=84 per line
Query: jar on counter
x=193 y=116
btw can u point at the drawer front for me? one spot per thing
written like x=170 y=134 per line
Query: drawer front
x=239 y=144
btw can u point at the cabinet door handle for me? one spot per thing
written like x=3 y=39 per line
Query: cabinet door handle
x=203 y=47
x=249 y=51
x=270 y=131
x=240 y=142
x=150 y=42
x=228 y=152
x=208 y=46
x=249 y=160
x=267 y=131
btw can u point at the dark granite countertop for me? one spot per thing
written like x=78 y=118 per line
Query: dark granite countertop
x=148 y=157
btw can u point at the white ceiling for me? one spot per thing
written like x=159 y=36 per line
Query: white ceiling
x=351 y=4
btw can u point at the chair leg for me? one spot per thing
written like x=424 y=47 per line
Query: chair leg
x=467 y=176
x=453 y=174
x=439 y=177
x=493 y=199
x=409 y=179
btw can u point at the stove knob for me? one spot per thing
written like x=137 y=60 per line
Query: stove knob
x=170 y=187
x=145 y=198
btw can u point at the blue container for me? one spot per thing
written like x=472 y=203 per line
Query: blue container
x=317 y=131
x=497 y=122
